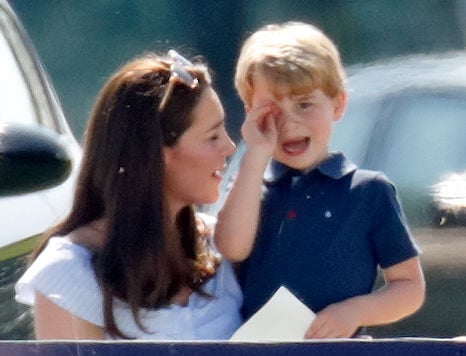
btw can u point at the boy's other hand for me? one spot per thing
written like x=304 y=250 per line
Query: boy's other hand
x=339 y=320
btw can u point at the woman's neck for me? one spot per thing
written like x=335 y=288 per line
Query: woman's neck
x=91 y=235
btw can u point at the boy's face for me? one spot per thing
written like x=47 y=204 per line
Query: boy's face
x=304 y=123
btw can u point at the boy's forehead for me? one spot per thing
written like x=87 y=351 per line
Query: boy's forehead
x=279 y=86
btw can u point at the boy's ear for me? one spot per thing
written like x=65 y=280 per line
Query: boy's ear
x=339 y=102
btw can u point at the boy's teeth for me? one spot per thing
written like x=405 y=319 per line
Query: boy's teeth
x=296 y=146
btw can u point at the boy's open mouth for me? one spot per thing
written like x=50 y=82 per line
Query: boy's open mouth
x=296 y=147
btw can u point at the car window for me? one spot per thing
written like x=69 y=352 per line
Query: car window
x=425 y=140
x=25 y=92
x=15 y=101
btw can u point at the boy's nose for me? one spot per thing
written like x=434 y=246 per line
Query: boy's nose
x=285 y=119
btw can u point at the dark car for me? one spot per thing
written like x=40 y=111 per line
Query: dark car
x=407 y=117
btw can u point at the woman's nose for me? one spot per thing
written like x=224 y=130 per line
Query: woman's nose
x=229 y=147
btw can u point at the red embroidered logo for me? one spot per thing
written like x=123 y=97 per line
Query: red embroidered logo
x=291 y=214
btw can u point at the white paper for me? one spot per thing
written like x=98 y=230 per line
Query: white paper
x=283 y=318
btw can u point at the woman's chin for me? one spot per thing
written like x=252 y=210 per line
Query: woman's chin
x=210 y=199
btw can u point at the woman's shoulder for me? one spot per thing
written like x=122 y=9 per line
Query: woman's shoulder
x=63 y=273
x=61 y=260
x=61 y=251
x=62 y=265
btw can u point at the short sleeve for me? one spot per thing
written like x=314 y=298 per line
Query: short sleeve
x=64 y=274
x=390 y=232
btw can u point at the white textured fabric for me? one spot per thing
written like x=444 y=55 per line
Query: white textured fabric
x=63 y=273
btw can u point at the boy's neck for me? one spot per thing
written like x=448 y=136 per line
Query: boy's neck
x=311 y=167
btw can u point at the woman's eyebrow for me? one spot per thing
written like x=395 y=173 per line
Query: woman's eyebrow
x=215 y=126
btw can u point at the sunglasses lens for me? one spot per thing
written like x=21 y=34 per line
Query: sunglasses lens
x=181 y=75
x=178 y=58
x=178 y=74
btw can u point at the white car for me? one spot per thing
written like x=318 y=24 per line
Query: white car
x=28 y=100
x=34 y=134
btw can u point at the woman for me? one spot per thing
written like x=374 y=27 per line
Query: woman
x=132 y=259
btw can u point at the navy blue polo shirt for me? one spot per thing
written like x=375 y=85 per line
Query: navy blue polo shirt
x=323 y=234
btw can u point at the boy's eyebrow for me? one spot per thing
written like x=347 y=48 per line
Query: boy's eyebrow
x=304 y=96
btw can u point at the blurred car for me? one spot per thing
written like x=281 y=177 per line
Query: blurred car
x=28 y=99
x=407 y=117
x=449 y=200
x=39 y=157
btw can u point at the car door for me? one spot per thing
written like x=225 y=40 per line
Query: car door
x=28 y=99
x=27 y=102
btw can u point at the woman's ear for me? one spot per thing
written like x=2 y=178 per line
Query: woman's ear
x=167 y=155
x=339 y=104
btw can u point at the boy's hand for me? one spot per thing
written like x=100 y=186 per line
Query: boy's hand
x=236 y=227
x=335 y=321
x=259 y=129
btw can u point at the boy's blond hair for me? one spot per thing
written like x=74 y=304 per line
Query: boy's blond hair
x=294 y=57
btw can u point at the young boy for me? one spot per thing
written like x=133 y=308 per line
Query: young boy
x=300 y=216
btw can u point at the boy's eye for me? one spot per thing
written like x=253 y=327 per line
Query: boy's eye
x=304 y=105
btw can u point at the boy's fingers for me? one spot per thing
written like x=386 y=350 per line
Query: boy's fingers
x=266 y=116
x=258 y=114
x=270 y=124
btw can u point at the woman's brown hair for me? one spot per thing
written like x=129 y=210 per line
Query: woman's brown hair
x=146 y=258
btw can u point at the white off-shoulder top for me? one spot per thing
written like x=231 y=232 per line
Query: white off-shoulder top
x=64 y=274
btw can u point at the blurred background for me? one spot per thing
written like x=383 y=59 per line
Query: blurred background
x=82 y=42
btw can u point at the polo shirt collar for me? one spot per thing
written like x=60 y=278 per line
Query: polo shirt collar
x=336 y=167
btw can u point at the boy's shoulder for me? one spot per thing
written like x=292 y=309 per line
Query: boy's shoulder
x=361 y=176
x=343 y=170
x=372 y=185
x=337 y=169
x=338 y=166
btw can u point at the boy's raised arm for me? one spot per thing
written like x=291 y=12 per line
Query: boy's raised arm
x=237 y=221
